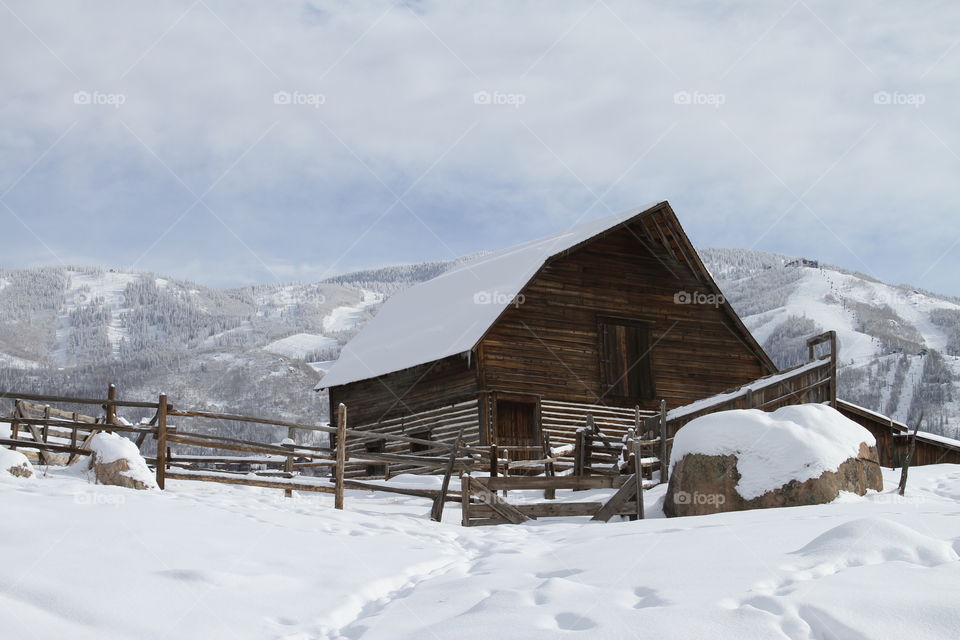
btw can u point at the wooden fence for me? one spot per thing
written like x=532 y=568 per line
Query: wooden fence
x=267 y=463
x=482 y=506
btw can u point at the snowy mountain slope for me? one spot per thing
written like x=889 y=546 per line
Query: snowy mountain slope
x=262 y=566
x=899 y=346
x=72 y=330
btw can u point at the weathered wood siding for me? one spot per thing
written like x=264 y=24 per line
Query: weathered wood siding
x=893 y=441
x=427 y=386
x=550 y=345
x=928 y=452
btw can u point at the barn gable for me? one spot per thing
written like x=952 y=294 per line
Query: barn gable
x=452 y=313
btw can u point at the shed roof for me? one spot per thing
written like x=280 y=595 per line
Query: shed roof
x=449 y=314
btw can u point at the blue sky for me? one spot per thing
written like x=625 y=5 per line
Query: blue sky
x=241 y=142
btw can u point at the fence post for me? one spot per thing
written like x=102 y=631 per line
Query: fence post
x=548 y=469
x=833 y=369
x=664 y=458
x=638 y=478
x=905 y=469
x=110 y=409
x=162 y=440
x=341 y=454
x=578 y=448
x=46 y=423
x=436 y=514
x=288 y=464
x=494 y=461
x=15 y=427
x=465 y=500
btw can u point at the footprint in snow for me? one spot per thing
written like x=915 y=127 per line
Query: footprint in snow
x=569 y=621
x=648 y=598
x=561 y=573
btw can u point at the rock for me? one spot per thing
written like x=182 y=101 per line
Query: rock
x=117 y=473
x=703 y=484
x=117 y=461
x=15 y=464
x=800 y=455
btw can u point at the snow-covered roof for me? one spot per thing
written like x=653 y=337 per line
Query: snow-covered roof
x=449 y=314
x=939 y=439
x=900 y=427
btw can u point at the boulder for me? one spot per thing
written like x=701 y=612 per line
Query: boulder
x=117 y=461
x=800 y=455
x=15 y=464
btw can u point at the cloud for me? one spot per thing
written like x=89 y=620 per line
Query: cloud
x=342 y=135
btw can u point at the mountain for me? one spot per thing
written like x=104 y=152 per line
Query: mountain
x=71 y=331
x=898 y=345
x=260 y=350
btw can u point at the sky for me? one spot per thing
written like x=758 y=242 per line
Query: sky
x=239 y=142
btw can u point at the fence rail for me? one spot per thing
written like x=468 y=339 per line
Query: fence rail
x=286 y=464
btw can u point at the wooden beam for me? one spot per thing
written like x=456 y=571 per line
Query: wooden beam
x=436 y=514
x=626 y=491
x=492 y=500
x=341 y=454
x=161 y=440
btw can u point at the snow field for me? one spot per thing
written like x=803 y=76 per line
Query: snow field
x=204 y=561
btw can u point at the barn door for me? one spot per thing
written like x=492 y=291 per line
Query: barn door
x=517 y=421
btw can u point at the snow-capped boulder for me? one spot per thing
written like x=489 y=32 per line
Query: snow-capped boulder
x=15 y=464
x=751 y=459
x=117 y=461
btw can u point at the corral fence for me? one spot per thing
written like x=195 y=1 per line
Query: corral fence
x=584 y=446
x=295 y=463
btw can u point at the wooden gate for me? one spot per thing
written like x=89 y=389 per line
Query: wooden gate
x=482 y=506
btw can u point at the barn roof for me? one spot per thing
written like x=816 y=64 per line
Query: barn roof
x=449 y=314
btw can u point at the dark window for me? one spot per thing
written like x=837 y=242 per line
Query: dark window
x=376 y=446
x=625 y=358
x=416 y=447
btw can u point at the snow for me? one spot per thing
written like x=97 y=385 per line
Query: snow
x=110 y=447
x=321 y=367
x=822 y=294
x=792 y=443
x=255 y=565
x=9 y=459
x=935 y=437
x=84 y=289
x=300 y=344
x=450 y=313
x=15 y=362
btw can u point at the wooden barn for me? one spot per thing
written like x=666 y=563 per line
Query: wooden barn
x=615 y=323
x=608 y=318
x=893 y=439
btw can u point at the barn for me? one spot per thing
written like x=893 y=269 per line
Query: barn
x=615 y=323
x=608 y=317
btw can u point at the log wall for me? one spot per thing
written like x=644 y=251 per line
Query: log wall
x=549 y=344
